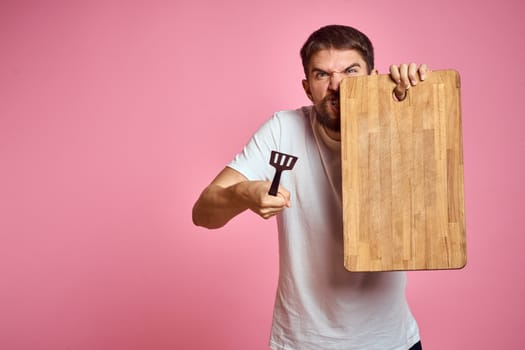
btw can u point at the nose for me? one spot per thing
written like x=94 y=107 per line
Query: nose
x=335 y=80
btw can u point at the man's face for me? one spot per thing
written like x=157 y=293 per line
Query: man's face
x=326 y=70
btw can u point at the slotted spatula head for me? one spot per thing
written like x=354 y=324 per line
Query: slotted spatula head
x=282 y=161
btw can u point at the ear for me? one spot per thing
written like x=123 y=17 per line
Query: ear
x=306 y=87
x=374 y=72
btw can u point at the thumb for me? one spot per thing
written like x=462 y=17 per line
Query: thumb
x=397 y=74
x=400 y=91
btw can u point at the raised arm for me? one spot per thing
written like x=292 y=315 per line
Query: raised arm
x=230 y=193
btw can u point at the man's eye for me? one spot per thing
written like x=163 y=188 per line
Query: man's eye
x=321 y=75
x=351 y=71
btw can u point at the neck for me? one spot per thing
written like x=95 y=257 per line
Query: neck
x=334 y=135
x=329 y=138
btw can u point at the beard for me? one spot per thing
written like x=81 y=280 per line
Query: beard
x=328 y=112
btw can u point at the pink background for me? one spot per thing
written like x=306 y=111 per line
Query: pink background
x=115 y=115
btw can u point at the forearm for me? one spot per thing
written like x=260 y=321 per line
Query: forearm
x=217 y=205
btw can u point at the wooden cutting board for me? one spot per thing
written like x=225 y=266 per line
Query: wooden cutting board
x=402 y=169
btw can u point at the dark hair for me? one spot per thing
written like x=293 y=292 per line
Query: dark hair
x=337 y=37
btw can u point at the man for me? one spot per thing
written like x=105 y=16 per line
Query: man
x=319 y=305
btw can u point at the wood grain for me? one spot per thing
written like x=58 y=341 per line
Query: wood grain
x=402 y=164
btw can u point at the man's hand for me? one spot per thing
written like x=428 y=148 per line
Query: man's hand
x=405 y=76
x=257 y=199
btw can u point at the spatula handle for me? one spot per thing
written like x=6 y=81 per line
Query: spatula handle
x=275 y=183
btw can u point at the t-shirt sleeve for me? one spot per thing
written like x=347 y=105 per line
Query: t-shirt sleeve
x=253 y=161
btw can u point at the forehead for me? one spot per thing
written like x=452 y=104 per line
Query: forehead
x=335 y=59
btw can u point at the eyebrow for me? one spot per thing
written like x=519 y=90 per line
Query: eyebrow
x=316 y=69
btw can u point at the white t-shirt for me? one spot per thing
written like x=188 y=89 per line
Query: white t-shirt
x=319 y=305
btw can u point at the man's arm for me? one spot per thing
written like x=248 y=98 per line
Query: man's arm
x=230 y=193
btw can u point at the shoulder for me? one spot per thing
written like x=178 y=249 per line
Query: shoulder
x=294 y=114
x=292 y=118
x=284 y=122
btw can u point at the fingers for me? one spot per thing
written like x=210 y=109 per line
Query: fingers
x=423 y=69
x=412 y=74
x=399 y=75
x=285 y=195
x=273 y=205
x=405 y=76
x=268 y=211
x=266 y=205
x=395 y=74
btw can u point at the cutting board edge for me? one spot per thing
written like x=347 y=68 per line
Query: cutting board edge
x=452 y=267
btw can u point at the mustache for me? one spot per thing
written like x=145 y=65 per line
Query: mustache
x=332 y=96
x=331 y=99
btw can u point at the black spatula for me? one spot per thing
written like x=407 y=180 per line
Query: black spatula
x=280 y=161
